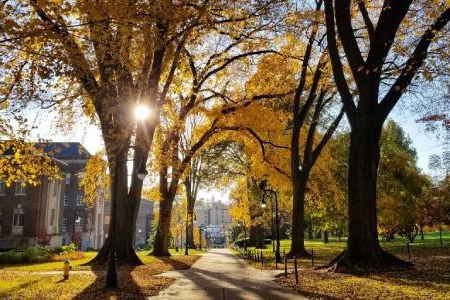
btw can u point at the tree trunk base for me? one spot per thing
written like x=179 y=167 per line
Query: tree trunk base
x=160 y=253
x=386 y=262
x=127 y=256
x=298 y=253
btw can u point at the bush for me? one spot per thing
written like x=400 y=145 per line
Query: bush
x=240 y=242
x=29 y=255
x=12 y=257
x=34 y=254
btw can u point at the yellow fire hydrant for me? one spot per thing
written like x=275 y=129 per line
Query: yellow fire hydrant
x=66 y=269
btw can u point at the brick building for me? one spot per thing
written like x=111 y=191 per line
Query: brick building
x=31 y=212
x=56 y=207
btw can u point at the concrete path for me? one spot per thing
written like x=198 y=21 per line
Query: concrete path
x=220 y=275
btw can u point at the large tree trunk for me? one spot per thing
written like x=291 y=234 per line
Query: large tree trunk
x=298 y=224
x=364 y=252
x=162 y=237
x=125 y=217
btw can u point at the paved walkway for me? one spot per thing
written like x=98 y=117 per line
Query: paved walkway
x=221 y=275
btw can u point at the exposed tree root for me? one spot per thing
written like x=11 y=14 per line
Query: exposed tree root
x=124 y=256
x=343 y=263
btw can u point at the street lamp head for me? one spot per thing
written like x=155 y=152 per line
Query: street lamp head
x=141 y=172
x=141 y=175
x=263 y=205
x=142 y=112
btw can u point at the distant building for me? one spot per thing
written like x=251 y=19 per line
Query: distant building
x=144 y=222
x=81 y=224
x=54 y=209
x=214 y=217
x=31 y=214
x=212 y=213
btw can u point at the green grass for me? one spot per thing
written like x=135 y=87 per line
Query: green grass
x=324 y=252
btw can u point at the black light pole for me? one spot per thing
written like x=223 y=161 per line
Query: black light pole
x=75 y=217
x=186 y=246
x=200 y=228
x=245 y=233
x=265 y=190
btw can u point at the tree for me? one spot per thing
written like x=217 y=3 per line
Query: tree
x=105 y=58
x=367 y=115
x=205 y=99
x=401 y=185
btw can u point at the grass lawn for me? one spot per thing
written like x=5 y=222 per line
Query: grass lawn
x=430 y=278
x=25 y=281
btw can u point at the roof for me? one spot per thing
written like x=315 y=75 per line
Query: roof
x=60 y=151
x=63 y=151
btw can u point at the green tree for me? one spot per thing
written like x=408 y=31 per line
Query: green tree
x=384 y=57
x=401 y=185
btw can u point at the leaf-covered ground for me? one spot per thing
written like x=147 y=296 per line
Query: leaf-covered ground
x=135 y=282
x=430 y=278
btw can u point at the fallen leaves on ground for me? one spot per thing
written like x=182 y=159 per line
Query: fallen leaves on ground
x=430 y=279
x=135 y=282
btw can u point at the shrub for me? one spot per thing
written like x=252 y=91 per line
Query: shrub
x=34 y=254
x=29 y=255
x=240 y=242
x=12 y=257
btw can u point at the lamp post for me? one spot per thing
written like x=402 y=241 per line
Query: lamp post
x=201 y=227
x=141 y=113
x=186 y=251
x=245 y=233
x=265 y=191
x=75 y=219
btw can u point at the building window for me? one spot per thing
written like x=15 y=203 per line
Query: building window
x=68 y=178
x=80 y=200
x=79 y=221
x=64 y=225
x=21 y=189
x=18 y=221
x=54 y=187
x=52 y=216
x=66 y=200
x=2 y=187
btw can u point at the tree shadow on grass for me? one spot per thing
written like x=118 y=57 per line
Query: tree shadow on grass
x=128 y=288
x=25 y=285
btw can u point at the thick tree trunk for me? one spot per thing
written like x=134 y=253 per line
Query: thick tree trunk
x=190 y=228
x=298 y=228
x=125 y=218
x=364 y=252
x=257 y=236
x=325 y=236
x=162 y=237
